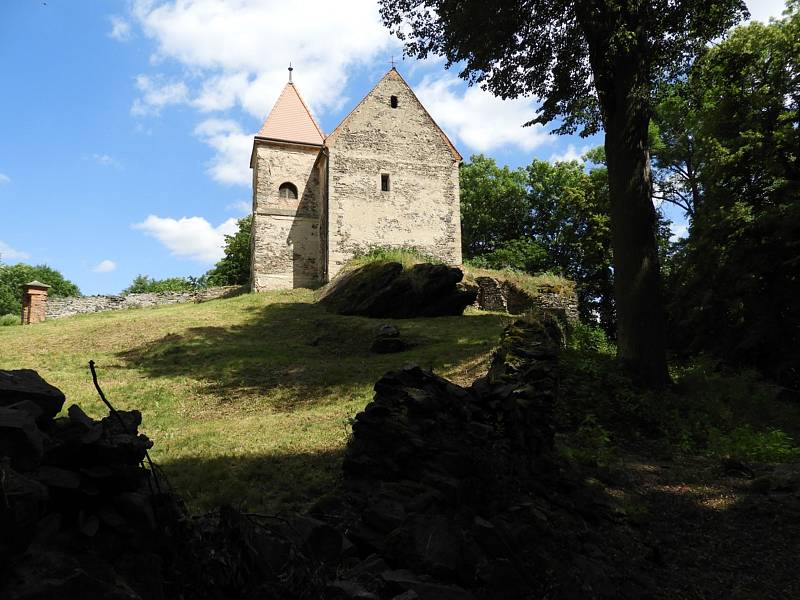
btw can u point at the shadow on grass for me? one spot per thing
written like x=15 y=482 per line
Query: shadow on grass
x=271 y=483
x=294 y=353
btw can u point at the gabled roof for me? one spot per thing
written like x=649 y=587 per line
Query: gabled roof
x=331 y=139
x=291 y=121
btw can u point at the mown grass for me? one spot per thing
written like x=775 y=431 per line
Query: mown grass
x=248 y=399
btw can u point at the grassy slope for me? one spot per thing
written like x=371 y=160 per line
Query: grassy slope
x=247 y=399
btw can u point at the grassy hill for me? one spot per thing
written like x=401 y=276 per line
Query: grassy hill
x=248 y=399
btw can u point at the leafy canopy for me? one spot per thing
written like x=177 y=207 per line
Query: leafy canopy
x=560 y=51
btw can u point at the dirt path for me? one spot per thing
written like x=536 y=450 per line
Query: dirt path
x=705 y=531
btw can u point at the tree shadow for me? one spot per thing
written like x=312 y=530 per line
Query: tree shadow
x=291 y=354
x=272 y=483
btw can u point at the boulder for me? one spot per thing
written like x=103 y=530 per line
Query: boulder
x=385 y=289
x=26 y=385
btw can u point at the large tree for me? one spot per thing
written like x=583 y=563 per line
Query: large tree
x=593 y=63
x=736 y=285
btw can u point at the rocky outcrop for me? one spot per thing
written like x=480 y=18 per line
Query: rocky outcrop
x=58 y=308
x=385 y=289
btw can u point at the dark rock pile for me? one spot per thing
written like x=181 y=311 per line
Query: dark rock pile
x=70 y=485
x=385 y=289
x=449 y=493
x=387 y=340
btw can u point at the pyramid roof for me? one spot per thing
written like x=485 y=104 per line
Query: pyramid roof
x=290 y=120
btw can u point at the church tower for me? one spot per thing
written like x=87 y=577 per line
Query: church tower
x=289 y=168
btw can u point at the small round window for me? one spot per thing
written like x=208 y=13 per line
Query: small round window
x=288 y=190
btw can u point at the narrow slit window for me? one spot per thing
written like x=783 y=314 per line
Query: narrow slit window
x=288 y=190
x=393 y=101
x=384 y=182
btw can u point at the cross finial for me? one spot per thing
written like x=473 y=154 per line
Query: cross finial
x=291 y=68
x=392 y=61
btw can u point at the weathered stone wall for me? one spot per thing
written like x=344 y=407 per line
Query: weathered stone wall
x=58 y=308
x=497 y=295
x=421 y=208
x=286 y=247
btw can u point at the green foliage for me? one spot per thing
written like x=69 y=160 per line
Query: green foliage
x=522 y=255
x=746 y=443
x=591 y=444
x=710 y=411
x=143 y=284
x=589 y=339
x=234 y=267
x=14 y=277
x=9 y=319
x=494 y=206
x=736 y=280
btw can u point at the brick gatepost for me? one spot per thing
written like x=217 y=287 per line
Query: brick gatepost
x=34 y=302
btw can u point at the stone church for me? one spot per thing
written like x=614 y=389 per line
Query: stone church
x=387 y=175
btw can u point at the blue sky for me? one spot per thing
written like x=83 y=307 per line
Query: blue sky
x=126 y=125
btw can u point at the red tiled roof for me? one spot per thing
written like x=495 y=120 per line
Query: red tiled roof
x=291 y=121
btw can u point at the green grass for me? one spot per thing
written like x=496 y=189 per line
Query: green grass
x=248 y=399
x=9 y=319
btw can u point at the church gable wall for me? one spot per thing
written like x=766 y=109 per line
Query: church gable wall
x=286 y=240
x=420 y=209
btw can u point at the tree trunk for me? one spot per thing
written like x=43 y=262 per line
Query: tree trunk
x=637 y=279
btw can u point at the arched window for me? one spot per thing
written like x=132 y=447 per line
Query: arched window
x=288 y=190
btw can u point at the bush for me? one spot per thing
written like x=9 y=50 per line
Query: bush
x=234 y=267
x=143 y=284
x=10 y=319
x=14 y=277
x=522 y=255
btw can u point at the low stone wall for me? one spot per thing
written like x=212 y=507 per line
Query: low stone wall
x=498 y=295
x=58 y=308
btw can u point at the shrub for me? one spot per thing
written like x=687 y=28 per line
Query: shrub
x=143 y=284
x=9 y=319
x=14 y=277
x=234 y=267
x=408 y=256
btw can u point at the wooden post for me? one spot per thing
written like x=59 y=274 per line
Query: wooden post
x=34 y=302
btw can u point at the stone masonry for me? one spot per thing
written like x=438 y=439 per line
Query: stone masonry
x=58 y=308
x=386 y=176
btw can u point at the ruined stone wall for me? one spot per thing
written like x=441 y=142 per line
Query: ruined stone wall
x=504 y=296
x=421 y=208
x=58 y=308
x=286 y=241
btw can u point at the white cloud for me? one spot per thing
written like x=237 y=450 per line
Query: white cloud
x=120 y=29
x=762 y=10
x=478 y=119
x=4 y=179
x=8 y=253
x=240 y=49
x=231 y=163
x=240 y=206
x=679 y=230
x=569 y=154
x=156 y=94
x=105 y=266
x=106 y=160
x=189 y=237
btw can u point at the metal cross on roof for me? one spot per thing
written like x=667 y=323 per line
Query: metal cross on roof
x=291 y=68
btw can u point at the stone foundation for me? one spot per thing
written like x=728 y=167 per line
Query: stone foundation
x=58 y=308
x=504 y=296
